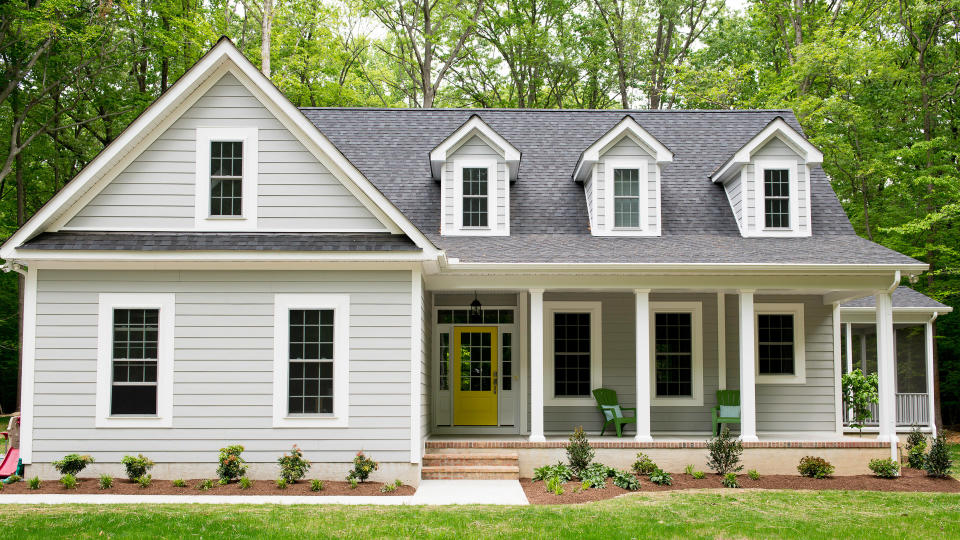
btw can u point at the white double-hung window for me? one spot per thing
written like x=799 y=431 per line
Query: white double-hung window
x=226 y=178
x=625 y=195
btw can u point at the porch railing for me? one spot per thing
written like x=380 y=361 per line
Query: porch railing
x=912 y=409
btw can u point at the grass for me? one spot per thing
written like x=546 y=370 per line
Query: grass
x=955 y=456
x=702 y=514
x=4 y=421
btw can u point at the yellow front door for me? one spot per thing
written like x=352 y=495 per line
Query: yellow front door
x=475 y=378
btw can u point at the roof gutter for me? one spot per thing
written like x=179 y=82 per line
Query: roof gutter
x=453 y=264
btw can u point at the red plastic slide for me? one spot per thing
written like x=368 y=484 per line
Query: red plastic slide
x=11 y=462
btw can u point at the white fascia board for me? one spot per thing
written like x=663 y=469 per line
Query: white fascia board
x=628 y=126
x=906 y=309
x=28 y=256
x=224 y=53
x=455 y=265
x=777 y=128
x=475 y=126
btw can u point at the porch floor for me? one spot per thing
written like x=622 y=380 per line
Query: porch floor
x=660 y=440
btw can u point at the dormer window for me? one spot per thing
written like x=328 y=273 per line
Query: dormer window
x=226 y=178
x=776 y=198
x=626 y=198
x=474 y=196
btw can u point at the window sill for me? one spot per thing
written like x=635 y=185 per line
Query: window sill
x=680 y=401
x=781 y=379
x=225 y=218
x=570 y=401
x=306 y=420
x=133 y=421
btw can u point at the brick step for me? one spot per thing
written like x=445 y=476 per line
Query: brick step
x=471 y=472
x=465 y=459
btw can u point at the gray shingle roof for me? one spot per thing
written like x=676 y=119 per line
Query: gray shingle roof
x=548 y=209
x=903 y=297
x=215 y=241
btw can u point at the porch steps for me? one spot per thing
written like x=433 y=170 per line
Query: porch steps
x=471 y=466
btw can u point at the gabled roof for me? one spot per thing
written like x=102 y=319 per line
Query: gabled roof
x=628 y=127
x=777 y=128
x=222 y=58
x=219 y=241
x=903 y=298
x=475 y=127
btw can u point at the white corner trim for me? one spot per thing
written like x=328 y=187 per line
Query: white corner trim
x=249 y=203
x=777 y=128
x=416 y=364
x=792 y=168
x=721 y=341
x=475 y=126
x=493 y=205
x=609 y=211
x=28 y=351
x=628 y=126
x=166 y=304
x=340 y=304
x=837 y=367
x=695 y=309
x=799 y=343
x=596 y=351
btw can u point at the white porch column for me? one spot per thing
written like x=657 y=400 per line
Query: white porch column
x=722 y=340
x=748 y=379
x=928 y=349
x=849 y=347
x=642 y=298
x=536 y=365
x=886 y=370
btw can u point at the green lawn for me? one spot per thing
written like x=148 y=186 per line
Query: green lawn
x=726 y=514
x=955 y=456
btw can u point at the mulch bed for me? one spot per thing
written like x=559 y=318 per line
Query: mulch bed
x=911 y=480
x=123 y=486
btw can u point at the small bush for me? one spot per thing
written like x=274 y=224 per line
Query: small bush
x=69 y=481
x=136 y=466
x=559 y=470
x=699 y=475
x=398 y=483
x=293 y=466
x=814 y=467
x=353 y=483
x=179 y=483
x=938 y=461
x=362 y=467
x=555 y=485
x=724 y=453
x=916 y=448
x=626 y=480
x=388 y=488
x=282 y=483
x=205 y=485
x=643 y=466
x=689 y=469
x=144 y=481
x=596 y=475
x=34 y=483
x=730 y=480
x=72 y=464
x=753 y=474
x=316 y=485
x=245 y=482
x=579 y=451
x=105 y=481
x=661 y=477
x=14 y=478
x=231 y=465
x=884 y=468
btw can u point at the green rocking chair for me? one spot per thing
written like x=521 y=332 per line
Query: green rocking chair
x=727 y=410
x=612 y=411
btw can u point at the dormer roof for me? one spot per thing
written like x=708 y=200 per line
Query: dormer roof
x=475 y=127
x=627 y=127
x=777 y=128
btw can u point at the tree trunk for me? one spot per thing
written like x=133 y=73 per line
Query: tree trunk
x=266 y=30
x=21 y=219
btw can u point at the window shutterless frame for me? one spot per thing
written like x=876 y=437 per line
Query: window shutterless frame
x=165 y=305
x=799 y=375
x=695 y=310
x=760 y=198
x=610 y=166
x=493 y=202
x=221 y=189
x=594 y=309
x=284 y=304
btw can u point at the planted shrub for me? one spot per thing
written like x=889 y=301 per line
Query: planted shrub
x=559 y=470
x=179 y=483
x=579 y=451
x=362 y=467
x=724 y=453
x=14 y=478
x=625 y=480
x=136 y=466
x=814 y=467
x=388 y=488
x=555 y=485
x=34 y=483
x=231 y=465
x=643 y=466
x=730 y=480
x=699 y=475
x=884 y=468
x=753 y=474
x=859 y=392
x=245 y=482
x=398 y=483
x=316 y=485
x=353 y=483
x=293 y=466
x=69 y=481
x=72 y=464
x=661 y=477
x=938 y=461
x=205 y=485
x=689 y=469
x=596 y=475
x=282 y=483
x=916 y=448
x=105 y=481
x=144 y=481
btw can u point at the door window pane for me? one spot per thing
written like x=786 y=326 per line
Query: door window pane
x=475 y=361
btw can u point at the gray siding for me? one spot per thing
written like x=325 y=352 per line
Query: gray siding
x=775 y=149
x=735 y=195
x=426 y=346
x=626 y=147
x=157 y=190
x=475 y=147
x=223 y=366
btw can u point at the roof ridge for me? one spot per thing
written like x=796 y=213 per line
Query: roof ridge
x=514 y=109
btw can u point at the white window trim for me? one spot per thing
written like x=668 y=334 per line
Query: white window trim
x=493 y=207
x=792 y=168
x=647 y=226
x=695 y=309
x=596 y=351
x=248 y=220
x=340 y=304
x=166 y=303
x=799 y=343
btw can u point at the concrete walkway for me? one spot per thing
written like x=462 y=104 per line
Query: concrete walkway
x=469 y=492
x=200 y=499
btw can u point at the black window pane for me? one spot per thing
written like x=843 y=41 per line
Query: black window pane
x=776 y=191
x=138 y=399
x=226 y=197
x=475 y=197
x=775 y=350
x=571 y=346
x=673 y=349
